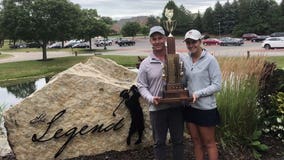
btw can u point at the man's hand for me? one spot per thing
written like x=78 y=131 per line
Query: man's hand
x=194 y=98
x=156 y=100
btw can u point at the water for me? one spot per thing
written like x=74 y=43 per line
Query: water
x=14 y=94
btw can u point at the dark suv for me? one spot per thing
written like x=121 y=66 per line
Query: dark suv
x=277 y=34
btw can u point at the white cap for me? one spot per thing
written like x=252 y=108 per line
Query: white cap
x=156 y=29
x=193 y=34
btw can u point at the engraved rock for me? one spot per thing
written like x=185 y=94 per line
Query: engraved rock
x=72 y=115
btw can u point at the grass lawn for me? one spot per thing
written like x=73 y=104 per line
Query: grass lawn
x=26 y=70
x=16 y=72
x=19 y=71
x=279 y=60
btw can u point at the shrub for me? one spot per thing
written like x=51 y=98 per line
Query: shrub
x=271 y=101
x=237 y=103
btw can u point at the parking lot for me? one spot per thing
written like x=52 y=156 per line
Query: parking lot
x=143 y=47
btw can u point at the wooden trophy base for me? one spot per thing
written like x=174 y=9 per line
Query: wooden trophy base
x=175 y=93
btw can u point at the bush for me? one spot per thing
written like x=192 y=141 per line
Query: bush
x=238 y=107
x=271 y=101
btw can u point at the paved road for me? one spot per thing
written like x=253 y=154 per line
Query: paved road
x=143 y=47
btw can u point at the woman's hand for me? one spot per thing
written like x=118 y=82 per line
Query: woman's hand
x=194 y=98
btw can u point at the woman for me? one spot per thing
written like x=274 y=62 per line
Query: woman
x=203 y=79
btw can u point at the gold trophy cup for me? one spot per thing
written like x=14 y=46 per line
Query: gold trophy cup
x=173 y=70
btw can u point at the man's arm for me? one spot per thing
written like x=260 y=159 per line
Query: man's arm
x=143 y=84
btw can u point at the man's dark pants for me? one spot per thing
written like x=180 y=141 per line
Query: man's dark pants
x=162 y=121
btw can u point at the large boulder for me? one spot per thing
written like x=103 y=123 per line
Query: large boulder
x=72 y=115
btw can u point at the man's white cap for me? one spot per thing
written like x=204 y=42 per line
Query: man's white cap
x=193 y=34
x=156 y=29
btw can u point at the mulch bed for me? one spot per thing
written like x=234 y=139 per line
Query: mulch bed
x=276 y=152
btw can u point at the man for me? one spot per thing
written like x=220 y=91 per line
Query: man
x=163 y=117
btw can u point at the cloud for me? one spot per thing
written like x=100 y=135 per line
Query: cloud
x=129 y=8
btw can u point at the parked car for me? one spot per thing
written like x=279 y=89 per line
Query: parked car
x=126 y=42
x=249 y=36
x=226 y=41
x=277 y=34
x=18 y=45
x=81 y=45
x=101 y=43
x=33 y=45
x=259 y=38
x=71 y=43
x=211 y=41
x=55 y=45
x=273 y=42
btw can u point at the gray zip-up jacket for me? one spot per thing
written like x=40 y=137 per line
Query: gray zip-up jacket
x=150 y=82
x=203 y=78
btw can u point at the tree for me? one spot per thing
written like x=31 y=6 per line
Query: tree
x=258 y=16
x=208 y=21
x=281 y=17
x=92 y=25
x=14 y=20
x=152 y=21
x=107 y=20
x=197 y=23
x=53 y=20
x=230 y=16
x=40 y=20
x=130 y=29
x=182 y=16
x=218 y=18
x=145 y=30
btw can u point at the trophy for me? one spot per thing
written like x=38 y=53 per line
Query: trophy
x=173 y=69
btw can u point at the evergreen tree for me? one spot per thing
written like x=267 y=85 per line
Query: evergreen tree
x=230 y=17
x=182 y=16
x=218 y=22
x=208 y=21
x=197 y=23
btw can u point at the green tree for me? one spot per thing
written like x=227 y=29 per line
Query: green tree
x=14 y=20
x=40 y=20
x=152 y=21
x=145 y=30
x=208 y=21
x=197 y=23
x=107 y=20
x=53 y=20
x=281 y=17
x=218 y=18
x=258 y=16
x=230 y=16
x=92 y=25
x=130 y=29
x=182 y=16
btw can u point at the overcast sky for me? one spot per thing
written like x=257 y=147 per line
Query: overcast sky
x=117 y=9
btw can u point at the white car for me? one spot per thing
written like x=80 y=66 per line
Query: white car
x=273 y=42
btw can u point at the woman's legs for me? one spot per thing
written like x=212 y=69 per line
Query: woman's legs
x=208 y=138
x=197 y=141
x=203 y=137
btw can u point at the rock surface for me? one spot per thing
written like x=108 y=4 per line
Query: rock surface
x=72 y=115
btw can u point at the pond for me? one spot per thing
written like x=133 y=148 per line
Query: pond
x=14 y=94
